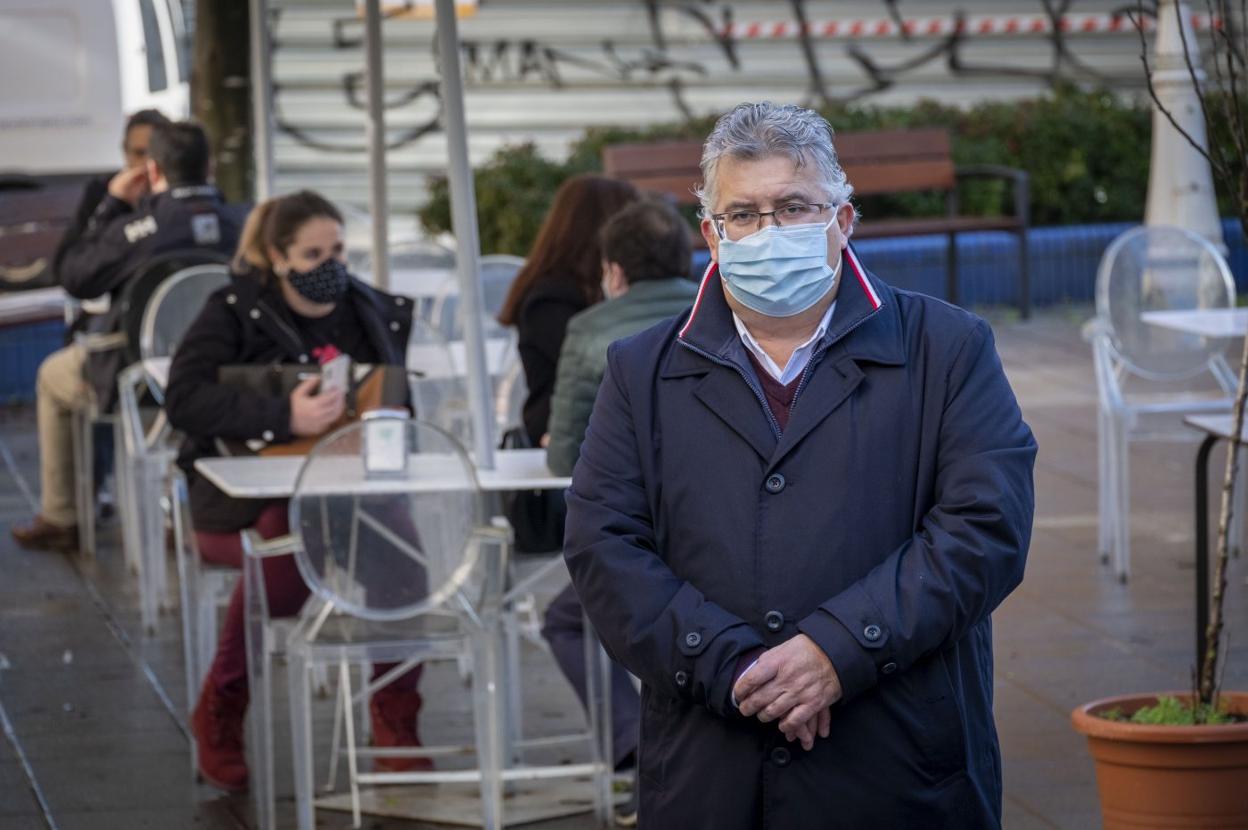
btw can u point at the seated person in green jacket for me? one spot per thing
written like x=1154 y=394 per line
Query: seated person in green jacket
x=645 y=279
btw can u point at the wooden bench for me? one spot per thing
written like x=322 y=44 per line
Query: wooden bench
x=877 y=163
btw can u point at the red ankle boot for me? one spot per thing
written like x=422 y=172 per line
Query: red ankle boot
x=217 y=725
x=393 y=713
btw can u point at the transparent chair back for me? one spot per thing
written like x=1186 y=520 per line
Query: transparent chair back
x=438 y=386
x=386 y=544
x=170 y=313
x=1161 y=269
x=498 y=272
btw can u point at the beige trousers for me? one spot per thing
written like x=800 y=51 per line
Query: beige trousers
x=60 y=391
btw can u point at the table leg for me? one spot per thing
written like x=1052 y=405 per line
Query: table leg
x=1202 y=547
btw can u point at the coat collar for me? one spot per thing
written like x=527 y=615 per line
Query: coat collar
x=866 y=308
x=866 y=327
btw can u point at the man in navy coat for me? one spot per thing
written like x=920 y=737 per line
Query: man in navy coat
x=795 y=508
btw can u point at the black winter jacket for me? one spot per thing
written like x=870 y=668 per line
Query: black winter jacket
x=248 y=322
x=119 y=240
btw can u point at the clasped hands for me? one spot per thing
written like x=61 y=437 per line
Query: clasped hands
x=794 y=683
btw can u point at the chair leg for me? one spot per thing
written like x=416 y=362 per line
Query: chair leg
x=598 y=698
x=84 y=502
x=1104 y=485
x=335 y=742
x=259 y=676
x=301 y=740
x=153 y=581
x=353 y=764
x=514 y=701
x=1122 y=505
x=488 y=727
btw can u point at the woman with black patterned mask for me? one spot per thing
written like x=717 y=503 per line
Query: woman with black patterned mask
x=290 y=300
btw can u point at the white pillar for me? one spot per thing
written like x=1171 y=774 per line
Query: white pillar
x=1180 y=184
x=261 y=99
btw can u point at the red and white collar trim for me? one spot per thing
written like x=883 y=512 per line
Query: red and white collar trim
x=861 y=274
x=712 y=270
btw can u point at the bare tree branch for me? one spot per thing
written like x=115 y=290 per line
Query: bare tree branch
x=1194 y=73
x=1152 y=93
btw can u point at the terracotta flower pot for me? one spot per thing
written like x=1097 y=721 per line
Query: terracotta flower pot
x=1168 y=776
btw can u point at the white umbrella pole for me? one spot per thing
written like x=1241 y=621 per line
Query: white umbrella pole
x=467 y=238
x=261 y=99
x=376 y=130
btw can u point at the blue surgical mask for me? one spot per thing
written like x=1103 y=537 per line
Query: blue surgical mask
x=779 y=271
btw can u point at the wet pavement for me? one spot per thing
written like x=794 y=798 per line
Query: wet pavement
x=93 y=710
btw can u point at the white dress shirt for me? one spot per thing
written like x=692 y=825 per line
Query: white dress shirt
x=799 y=358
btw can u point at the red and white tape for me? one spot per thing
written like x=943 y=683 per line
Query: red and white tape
x=970 y=26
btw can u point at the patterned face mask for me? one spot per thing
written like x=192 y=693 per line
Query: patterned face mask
x=326 y=283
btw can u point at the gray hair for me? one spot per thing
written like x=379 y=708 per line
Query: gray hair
x=759 y=131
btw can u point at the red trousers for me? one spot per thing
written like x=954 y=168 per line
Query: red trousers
x=285 y=590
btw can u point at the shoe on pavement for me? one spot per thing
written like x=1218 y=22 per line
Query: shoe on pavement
x=393 y=713
x=40 y=534
x=217 y=724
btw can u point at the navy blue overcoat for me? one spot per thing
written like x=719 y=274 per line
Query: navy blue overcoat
x=886 y=523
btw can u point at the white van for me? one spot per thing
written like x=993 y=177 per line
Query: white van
x=70 y=73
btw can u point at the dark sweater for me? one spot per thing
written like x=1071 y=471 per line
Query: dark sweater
x=779 y=397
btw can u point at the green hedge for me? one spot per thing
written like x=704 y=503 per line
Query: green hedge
x=1087 y=153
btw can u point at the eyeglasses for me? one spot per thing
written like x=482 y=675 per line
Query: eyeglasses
x=738 y=223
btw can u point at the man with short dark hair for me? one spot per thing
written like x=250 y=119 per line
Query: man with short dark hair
x=646 y=259
x=166 y=204
x=134 y=146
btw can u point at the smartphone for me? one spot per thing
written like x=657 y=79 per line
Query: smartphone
x=336 y=374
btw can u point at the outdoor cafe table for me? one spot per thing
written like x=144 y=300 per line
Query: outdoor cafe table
x=1216 y=428
x=256 y=477
x=1206 y=322
x=273 y=477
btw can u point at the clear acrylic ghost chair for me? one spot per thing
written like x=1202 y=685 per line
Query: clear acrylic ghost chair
x=438 y=386
x=203 y=589
x=1145 y=369
x=498 y=272
x=401 y=571
x=147 y=451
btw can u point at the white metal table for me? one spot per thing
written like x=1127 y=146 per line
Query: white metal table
x=256 y=477
x=1206 y=322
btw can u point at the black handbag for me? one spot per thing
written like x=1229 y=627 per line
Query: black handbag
x=536 y=516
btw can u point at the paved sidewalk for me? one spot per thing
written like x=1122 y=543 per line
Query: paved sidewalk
x=94 y=710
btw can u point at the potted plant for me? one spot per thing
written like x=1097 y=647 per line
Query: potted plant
x=1180 y=759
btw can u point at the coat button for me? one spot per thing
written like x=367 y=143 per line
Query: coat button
x=231 y=298
x=780 y=756
x=254 y=314
x=394 y=325
x=303 y=358
x=681 y=679
x=775 y=483
x=398 y=301
x=872 y=633
x=774 y=620
x=693 y=639
x=888 y=668
x=267 y=435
